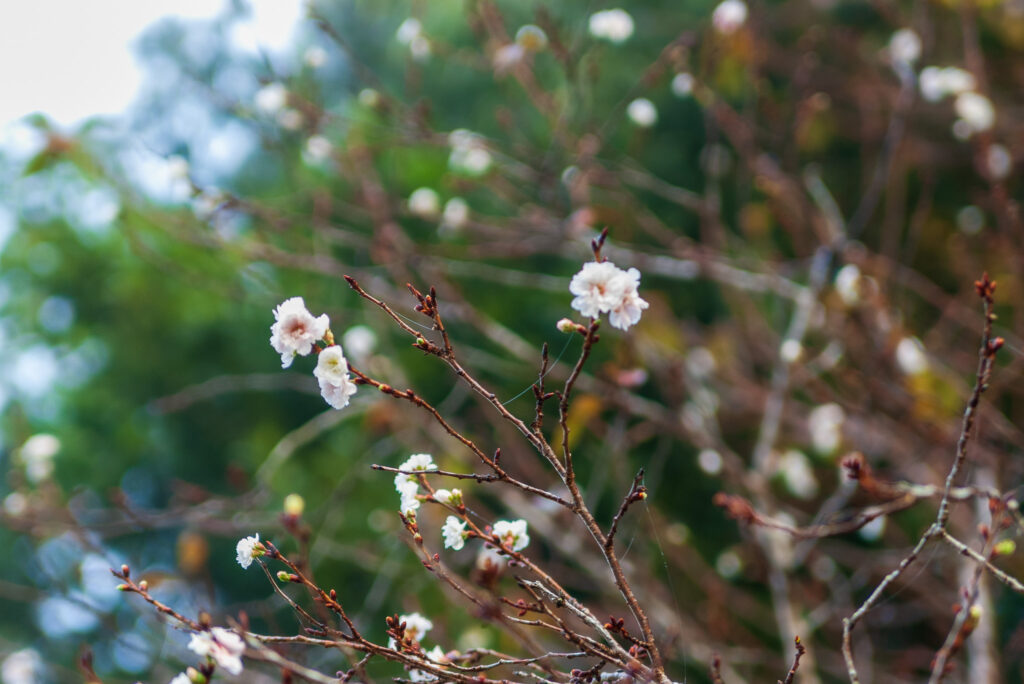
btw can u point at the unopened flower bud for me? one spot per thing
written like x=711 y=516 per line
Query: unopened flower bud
x=283 y=576
x=1005 y=547
x=144 y=585
x=566 y=325
x=294 y=504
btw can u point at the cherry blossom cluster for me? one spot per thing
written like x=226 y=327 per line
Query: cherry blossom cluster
x=604 y=288
x=408 y=484
x=296 y=332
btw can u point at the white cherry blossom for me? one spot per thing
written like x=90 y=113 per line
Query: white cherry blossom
x=295 y=330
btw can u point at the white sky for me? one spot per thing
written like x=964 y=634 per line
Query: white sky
x=71 y=59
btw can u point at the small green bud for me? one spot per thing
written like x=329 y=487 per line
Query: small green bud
x=1005 y=547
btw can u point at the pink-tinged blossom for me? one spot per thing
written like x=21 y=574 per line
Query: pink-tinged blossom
x=604 y=288
x=337 y=396
x=598 y=288
x=512 y=534
x=295 y=330
x=729 y=16
x=629 y=307
x=223 y=646
x=336 y=385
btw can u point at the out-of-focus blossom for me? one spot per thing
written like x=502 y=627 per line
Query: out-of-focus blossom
x=728 y=564
x=710 y=461
x=797 y=474
x=506 y=57
x=222 y=645
x=425 y=203
x=613 y=25
x=315 y=57
x=976 y=111
x=998 y=161
x=791 y=350
x=318 y=148
x=642 y=112
x=290 y=119
x=37 y=455
x=905 y=46
x=848 y=284
x=359 y=342
x=455 y=216
x=970 y=220
x=910 y=356
x=24 y=666
x=469 y=154
x=532 y=38
x=729 y=16
x=408 y=30
x=368 y=97
x=939 y=82
x=271 y=98
x=295 y=330
x=825 y=423
x=682 y=85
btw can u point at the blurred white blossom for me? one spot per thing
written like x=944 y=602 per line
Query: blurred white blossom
x=905 y=46
x=315 y=57
x=797 y=474
x=825 y=424
x=531 y=38
x=613 y=25
x=998 y=161
x=22 y=667
x=37 y=454
x=408 y=30
x=939 y=82
x=976 y=111
x=682 y=85
x=359 y=341
x=455 y=216
x=970 y=220
x=318 y=148
x=710 y=461
x=729 y=16
x=222 y=645
x=642 y=112
x=425 y=203
x=910 y=356
x=271 y=98
x=848 y=284
x=469 y=154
